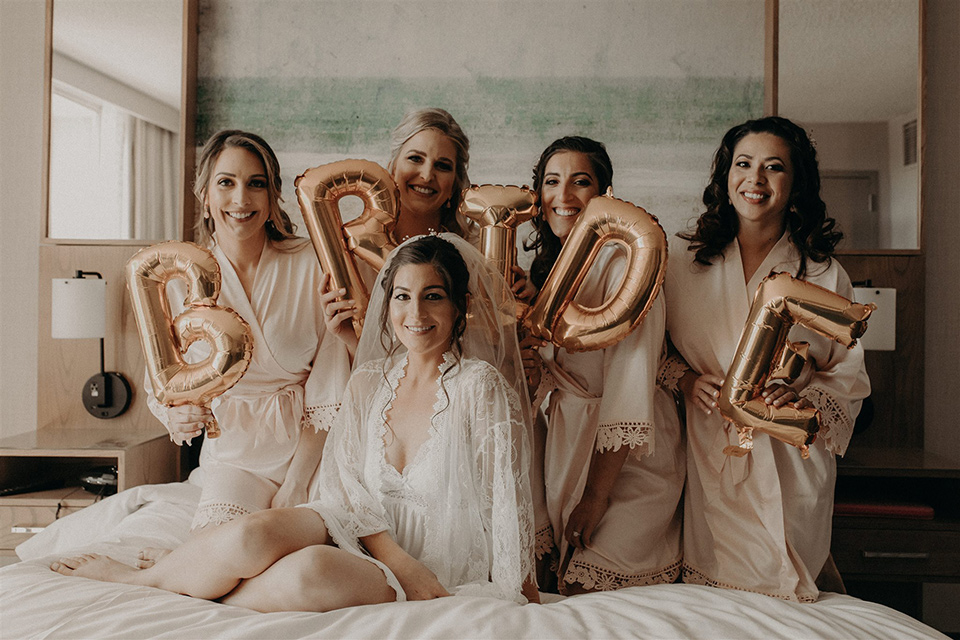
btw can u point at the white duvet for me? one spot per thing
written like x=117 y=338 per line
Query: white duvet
x=38 y=603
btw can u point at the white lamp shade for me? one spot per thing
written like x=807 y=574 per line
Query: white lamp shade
x=79 y=308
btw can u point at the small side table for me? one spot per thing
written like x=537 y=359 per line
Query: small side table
x=58 y=457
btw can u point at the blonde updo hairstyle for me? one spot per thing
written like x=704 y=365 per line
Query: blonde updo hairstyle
x=278 y=225
x=434 y=118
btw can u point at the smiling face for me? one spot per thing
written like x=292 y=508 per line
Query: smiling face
x=569 y=182
x=425 y=172
x=761 y=179
x=421 y=311
x=237 y=196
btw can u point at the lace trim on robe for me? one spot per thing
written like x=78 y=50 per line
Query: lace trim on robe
x=547 y=384
x=216 y=513
x=504 y=487
x=670 y=372
x=693 y=576
x=320 y=417
x=636 y=435
x=543 y=541
x=600 y=579
x=836 y=427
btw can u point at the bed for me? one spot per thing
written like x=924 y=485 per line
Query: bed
x=38 y=603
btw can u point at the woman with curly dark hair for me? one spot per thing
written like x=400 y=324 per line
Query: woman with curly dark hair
x=760 y=522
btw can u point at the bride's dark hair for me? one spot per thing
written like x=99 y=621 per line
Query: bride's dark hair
x=449 y=264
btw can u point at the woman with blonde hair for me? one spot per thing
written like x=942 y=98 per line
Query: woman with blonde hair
x=429 y=156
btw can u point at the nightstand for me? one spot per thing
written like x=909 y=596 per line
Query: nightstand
x=59 y=456
x=887 y=559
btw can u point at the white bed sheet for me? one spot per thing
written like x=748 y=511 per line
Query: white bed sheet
x=38 y=603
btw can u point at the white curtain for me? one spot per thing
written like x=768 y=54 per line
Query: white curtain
x=153 y=182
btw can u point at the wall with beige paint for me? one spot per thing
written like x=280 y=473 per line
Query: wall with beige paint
x=21 y=133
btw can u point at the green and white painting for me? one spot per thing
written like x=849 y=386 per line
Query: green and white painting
x=658 y=81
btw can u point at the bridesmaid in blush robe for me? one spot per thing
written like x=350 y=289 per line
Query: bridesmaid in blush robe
x=274 y=421
x=613 y=467
x=761 y=522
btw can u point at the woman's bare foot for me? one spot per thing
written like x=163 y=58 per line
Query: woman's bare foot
x=148 y=556
x=97 y=567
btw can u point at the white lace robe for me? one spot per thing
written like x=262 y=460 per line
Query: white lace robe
x=761 y=522
x=463 y=507
x=281 y=392
x=603 y=400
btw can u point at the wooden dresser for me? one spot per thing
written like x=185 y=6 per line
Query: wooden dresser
x=59 y=456
x=887 y=558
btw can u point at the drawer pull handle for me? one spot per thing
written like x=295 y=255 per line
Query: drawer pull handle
x=20 y=529
x=897 y=555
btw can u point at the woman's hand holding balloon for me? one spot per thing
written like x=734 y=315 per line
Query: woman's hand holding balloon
x=522 y=288
x=780 y=394
x=338 y=314
x=186 y=422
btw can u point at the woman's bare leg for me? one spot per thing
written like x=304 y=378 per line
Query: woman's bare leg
x=148 y=556
x=317 y=578
x=211 y=563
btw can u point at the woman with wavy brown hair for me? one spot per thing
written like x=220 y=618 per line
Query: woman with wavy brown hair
x=760 y=522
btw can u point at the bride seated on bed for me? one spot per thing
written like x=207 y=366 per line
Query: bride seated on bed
x=423 y=490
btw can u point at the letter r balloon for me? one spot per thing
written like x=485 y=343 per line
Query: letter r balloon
x=369 y=237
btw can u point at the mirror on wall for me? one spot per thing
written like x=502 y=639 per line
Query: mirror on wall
x=849 y=73
x=114 y=118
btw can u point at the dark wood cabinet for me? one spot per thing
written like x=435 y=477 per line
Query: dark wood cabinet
x=888 y=558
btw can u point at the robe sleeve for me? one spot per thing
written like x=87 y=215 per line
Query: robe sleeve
x=547 y=384
x=348 y=505
x=839 y=382
x=330 y=369
x=502 y=455
x=629 y=380
x=326 y=383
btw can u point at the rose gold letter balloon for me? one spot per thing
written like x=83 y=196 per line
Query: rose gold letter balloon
x=499 y=210
x=557 y=317
x=165 y=339
x=369 y=237
x=764 y=354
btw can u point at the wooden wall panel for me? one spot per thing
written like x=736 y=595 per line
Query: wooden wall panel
x=897 y=377
x=64 y=365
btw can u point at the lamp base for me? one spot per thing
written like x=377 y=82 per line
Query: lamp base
x=106 y=395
